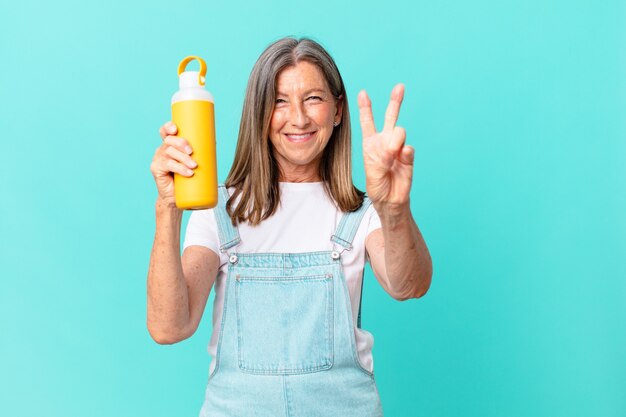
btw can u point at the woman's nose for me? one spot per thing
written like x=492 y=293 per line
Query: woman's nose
x=298 y=116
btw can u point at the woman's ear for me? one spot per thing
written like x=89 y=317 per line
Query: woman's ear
x=339 y=112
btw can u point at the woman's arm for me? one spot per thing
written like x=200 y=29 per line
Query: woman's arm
x=177 y=288
x=398 y=253
x=399 y=256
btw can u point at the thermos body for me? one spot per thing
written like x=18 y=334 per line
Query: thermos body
x=193 y=113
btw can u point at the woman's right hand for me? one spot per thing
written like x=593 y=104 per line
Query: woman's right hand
x=169 y=158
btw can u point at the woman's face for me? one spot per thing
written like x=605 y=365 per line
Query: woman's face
x=302 y=121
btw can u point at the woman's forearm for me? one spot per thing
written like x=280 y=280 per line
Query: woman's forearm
x=168 y=304
x=407 y=260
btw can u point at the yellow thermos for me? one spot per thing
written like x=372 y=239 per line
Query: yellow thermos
x=193 y=114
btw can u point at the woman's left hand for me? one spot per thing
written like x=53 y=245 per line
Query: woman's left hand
x=388 y=162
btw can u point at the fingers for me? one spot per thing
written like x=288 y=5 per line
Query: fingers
x=179 y=143
x=407 y=155
x=178 y=168
x=163 y=165
x=392 y=148
x=173 y=155
x=398 y=137
x=168 y=128
x=179 y=156
x=365 y=111
x=391 y=115
x=393 y=109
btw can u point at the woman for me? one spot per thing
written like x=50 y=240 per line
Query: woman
x=287 y=244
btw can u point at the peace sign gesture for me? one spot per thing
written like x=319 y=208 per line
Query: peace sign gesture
x=388 y=162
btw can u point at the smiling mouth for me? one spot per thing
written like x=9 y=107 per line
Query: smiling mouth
x=299 y=137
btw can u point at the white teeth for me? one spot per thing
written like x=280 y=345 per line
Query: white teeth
x=299 y=136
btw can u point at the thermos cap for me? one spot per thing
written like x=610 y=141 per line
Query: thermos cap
x=189 y=79
x=191 y=83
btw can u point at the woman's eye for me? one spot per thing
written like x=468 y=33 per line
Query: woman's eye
x=280 y=100
x=315 y=98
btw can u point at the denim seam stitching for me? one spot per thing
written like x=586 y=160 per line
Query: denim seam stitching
x=277 y=278
x=239 y=337
x=287 y=397
x=220 y=337
x=228 y=234
x=351 y=325
x=349 y=224
x=326 y=363
x=330 y=311
x=279 y=255
x=290 y=371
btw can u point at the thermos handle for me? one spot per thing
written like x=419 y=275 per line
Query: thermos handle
x=201 y=74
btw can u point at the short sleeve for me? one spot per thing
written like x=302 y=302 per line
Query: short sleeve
x=373 y=223
x=202 y=230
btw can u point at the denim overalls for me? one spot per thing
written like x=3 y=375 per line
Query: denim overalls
x=286 y=345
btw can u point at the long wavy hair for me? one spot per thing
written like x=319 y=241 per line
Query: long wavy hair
x=255 y=171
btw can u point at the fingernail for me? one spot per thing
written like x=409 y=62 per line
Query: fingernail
x=188 y=149
x=189 y=172
x=193 y=164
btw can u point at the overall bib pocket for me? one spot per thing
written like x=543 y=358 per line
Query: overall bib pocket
x=284 y=324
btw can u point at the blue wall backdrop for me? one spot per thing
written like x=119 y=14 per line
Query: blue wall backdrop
x=516 y=111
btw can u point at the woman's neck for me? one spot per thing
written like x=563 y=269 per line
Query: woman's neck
x=299 y=175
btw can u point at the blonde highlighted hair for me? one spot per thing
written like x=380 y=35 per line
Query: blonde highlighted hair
x=255 y=171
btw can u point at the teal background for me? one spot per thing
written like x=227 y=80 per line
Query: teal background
x=516 y=112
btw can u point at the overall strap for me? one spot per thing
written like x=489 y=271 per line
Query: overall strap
x=344 y=235
x=228 y=234
x=349 y=224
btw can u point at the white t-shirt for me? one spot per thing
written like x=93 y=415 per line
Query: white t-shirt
x=304 y=222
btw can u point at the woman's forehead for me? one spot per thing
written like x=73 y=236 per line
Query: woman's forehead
x=301 y=78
